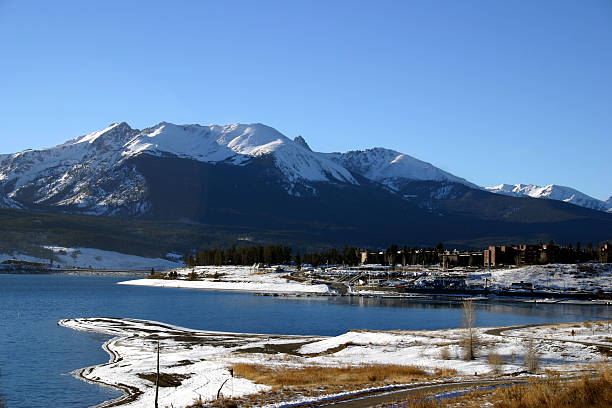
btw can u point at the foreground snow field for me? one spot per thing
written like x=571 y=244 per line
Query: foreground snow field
x=239 y=278
x=197 y=362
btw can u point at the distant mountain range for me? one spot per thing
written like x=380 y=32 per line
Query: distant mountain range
x=553 y=192
x=254 y=178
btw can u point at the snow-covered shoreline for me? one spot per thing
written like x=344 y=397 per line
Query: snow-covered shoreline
x=234 y=278
x=198 y=361
x=555 y=283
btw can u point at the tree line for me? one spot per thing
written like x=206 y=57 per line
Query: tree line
x=352 y=256
x=273 y=255
x=278 y=254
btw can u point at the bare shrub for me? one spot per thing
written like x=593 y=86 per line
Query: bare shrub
x=532 y=357
x=470 y=339
x=445 y=353
x=496 y=361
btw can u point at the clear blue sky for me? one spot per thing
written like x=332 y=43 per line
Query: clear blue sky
x=493 y=91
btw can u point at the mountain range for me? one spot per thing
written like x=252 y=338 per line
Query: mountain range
x=251 y=177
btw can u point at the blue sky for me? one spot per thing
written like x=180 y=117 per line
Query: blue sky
x=493 y=91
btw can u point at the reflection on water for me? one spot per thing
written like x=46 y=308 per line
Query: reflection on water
x=36 y=354
x=494 y=305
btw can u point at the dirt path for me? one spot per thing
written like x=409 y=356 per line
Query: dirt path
x=372 y=399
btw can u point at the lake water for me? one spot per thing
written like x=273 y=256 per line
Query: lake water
x=37 y=355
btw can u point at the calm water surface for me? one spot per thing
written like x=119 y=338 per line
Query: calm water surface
x=37 y=355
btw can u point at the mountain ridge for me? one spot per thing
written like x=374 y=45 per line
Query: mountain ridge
x=553 y=192
x=71 y=173
x=251 y=178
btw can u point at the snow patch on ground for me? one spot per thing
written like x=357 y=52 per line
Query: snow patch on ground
x=238 y=278
x=560 y=277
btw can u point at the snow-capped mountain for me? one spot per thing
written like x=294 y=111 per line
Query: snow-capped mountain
x=552 y=192
x=252 y=179
x=94 y=173
x=124 y=171
x=391 y=168
x=237 y=144
x=90 y=172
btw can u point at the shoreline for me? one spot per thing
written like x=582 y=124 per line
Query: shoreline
x=305 y=290
x=196 y=357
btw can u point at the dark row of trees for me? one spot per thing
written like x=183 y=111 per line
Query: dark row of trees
x=272 y=255
x=571 y=254
x=347 y=256
x=352 y=256
x=275 y=255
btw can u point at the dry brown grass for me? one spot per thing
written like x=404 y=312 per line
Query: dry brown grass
x=583 y=393
x=586 y=392
x=318 y=376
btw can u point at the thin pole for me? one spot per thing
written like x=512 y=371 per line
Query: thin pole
x=157 y=379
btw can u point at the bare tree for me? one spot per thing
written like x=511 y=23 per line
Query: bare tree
x=532 y=357
x=468 y=316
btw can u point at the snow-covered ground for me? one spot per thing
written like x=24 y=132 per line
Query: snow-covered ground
x=554 y=277
x=239 y=278
x=199 y=360
x=95 y=259
x=563 y=277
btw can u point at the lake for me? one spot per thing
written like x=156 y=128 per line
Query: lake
x=37 y=355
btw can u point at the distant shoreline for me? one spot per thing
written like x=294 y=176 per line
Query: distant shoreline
x=527 y=297
x=73 y=272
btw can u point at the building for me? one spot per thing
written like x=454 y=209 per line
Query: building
x=373 y=257
x=527 y=254
x=450 y=259
x=499 y=255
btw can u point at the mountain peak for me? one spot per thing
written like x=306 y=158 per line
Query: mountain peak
x=115 y=129
x=552 y=192
x=387 y=166
x=302 y=142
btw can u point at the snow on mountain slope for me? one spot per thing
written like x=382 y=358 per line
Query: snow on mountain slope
x=552 y=192
x=390 y=167
x=237 y=143
x=88 y=172
x=84 y=172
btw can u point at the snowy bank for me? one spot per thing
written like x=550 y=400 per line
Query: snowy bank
x=237 y=278
x=196 y=362
x=589 y=277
